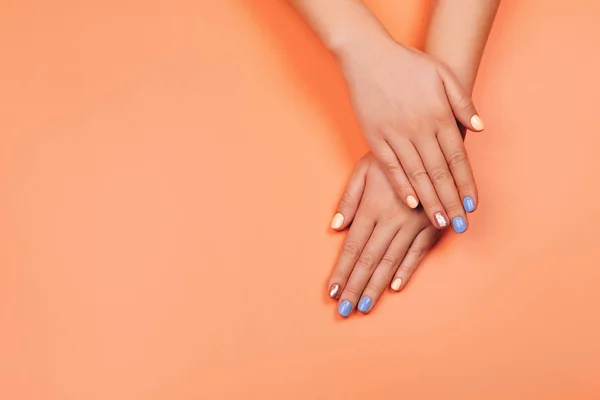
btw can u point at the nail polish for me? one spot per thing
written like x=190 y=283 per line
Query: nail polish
x=397 y=284
x=412 y=201
x=441 y=220
x=477 y=123
x=459 y=225
x=469 y=204
x=365 y=304
x=344 y=308
x=334 y=291
x=338 y=220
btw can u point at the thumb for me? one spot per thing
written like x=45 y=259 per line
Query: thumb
x=348 y=204
x=460 y=101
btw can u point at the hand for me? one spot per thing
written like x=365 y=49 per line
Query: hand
x=387 y=239
x=407 y=104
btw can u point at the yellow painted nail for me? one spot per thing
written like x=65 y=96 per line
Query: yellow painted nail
x=397 y=284
x=411 y=201
x=477 y=123
x=338 y=220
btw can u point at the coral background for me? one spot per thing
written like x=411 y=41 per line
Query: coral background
x=168 y=171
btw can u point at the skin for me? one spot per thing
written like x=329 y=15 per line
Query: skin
x=388 y=240
x=407 y=104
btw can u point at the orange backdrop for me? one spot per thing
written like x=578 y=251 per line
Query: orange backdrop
x=168 y=171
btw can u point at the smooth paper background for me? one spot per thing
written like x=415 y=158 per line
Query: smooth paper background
x=168 y=171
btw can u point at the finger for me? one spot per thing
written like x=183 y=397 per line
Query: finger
x=357 y=238
x=443 y=182
x=460 y=100
x=417 y=174
x=450 y=141
x=414 y=256
x=389 y=263
x=395 y=173
x=348 y=204
x=363 y=269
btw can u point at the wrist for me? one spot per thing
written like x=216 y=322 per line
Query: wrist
x=364 y=48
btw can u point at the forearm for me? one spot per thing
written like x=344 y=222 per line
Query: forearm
x=342 y=25
x=457 y=35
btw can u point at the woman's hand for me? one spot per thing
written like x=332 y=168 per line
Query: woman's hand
x=407 y=104
x=385 y=244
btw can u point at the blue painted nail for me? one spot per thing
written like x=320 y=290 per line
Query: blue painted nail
x=459 y=225
x=469 y=204
x=365 y=304
x=345 y=308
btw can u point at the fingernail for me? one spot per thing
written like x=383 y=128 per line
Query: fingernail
x=334 y=291
x=345 y=308
x=396 y=284
x=338 y=220
x=459 y=225
x=469 y=204
x=411 y=201
x=441 y=220
x=477 y=123
x=365 y=304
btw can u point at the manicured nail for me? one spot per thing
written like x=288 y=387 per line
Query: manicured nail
x=334 y=291
x=411 y=201
x=365 y=304
x=397 y=284
x=459 y=225
x=345 y=308
x=441 y=220
x=469 y=204
x=477 y=123
x=338 y=220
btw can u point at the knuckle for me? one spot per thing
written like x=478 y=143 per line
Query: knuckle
x=405 y=188
x=465 y=104
x=454 y=208
x=414 y=253
x=366 y=262
x=346 y=202
x=393 y=166
x=351 y=250
x=353 y=291
x=432 y=204
x=467 y=187
x=405 y=269
x=374 y=288
x=418 y=174
x=388 y=261
x=445 y=119
x=458 y=159
x=440 y=175
x=415 y=123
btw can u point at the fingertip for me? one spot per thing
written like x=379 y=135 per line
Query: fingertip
x=469 y=204
x=364 y=305
x=459 y=224
x=396 y=284
x=477 y=123
x=334 y=291
x=337 y=221
x=441 y=220
x=412 y=201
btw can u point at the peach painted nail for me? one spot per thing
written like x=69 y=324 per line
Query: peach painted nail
x=334 y=291
x=441 y=220
x=397 y=284
x=338 y=220
x=411 y=201
x=477 y=123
